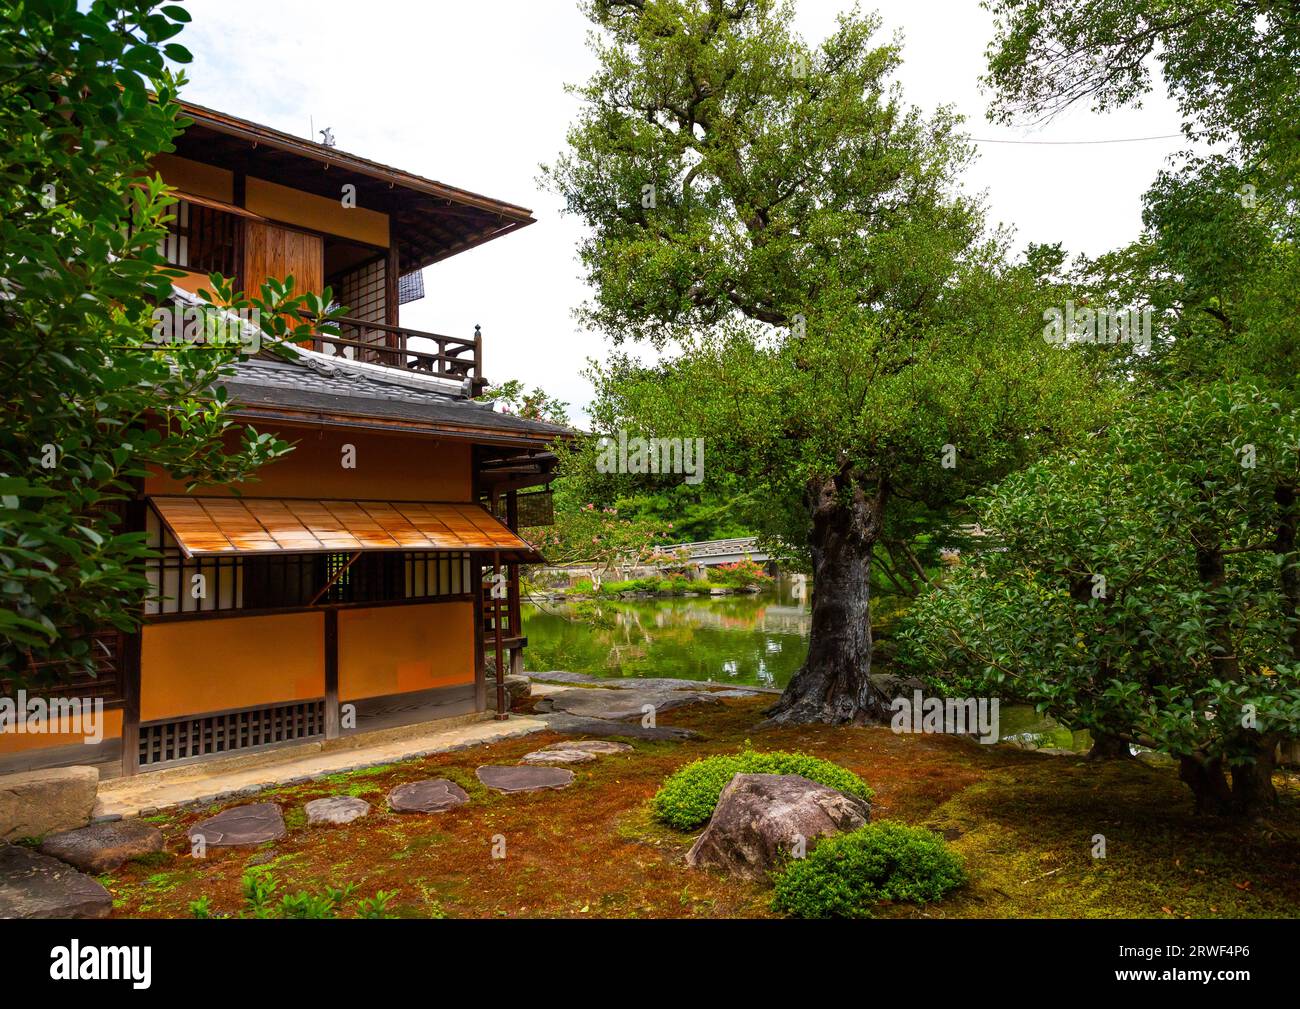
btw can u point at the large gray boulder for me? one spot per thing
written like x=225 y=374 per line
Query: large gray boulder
x=761 y=819
x=33 y=885
x=102 y=847
x=35 y=803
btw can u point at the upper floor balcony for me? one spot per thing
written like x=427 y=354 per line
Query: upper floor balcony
x=256 y=203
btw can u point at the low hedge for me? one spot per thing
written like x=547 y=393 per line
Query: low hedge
x=689 y=796
x=845 y=876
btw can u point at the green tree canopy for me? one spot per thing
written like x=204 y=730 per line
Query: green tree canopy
x=842 y=329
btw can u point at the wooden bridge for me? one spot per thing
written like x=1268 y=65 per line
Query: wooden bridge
x=712 y=553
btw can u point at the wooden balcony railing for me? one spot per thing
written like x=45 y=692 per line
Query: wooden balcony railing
x=450 y=357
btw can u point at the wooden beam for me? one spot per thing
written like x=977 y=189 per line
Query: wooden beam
x=332 y=674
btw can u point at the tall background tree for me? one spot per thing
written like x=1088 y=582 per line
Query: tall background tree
x=842 y=330
x=1186 y=508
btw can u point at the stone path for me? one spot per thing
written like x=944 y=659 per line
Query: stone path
x=643 y=682
x=435 y=795
x=33 y=885
x=510 y=779
x=572 y=725
x=617 y=705
x=241 y=826
x=145 y=794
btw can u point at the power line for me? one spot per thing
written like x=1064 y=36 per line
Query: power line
x=1121 y=139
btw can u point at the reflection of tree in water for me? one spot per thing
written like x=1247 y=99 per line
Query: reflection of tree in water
x=739 y=639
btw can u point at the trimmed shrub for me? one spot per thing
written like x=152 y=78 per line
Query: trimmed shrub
x=845 y=876
x=689 y=796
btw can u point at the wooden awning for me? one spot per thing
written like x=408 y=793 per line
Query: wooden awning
x=228 y=526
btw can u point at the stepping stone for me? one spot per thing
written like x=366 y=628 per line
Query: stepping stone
x=33 y=885
x=435 y=795
x=523 y=779
x=573 y=751
x=242 y=826
x=551 y=756
x=590 y=746
x=337 y=809
x=102 y=847
x=570 y=724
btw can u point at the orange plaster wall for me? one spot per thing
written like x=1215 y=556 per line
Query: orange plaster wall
x=194 y=666
x=397 y=649
x=13 y=742
x=388 y=467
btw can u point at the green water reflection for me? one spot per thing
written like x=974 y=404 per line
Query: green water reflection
x=753 y=640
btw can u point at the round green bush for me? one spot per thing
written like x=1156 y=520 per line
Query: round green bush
x=687 y=799
x=844 y=876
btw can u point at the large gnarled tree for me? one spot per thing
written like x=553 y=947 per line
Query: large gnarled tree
x=846 y=334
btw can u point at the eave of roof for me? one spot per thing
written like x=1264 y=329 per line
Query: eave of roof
x=235 y=126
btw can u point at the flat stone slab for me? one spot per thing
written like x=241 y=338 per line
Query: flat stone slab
x=35 y=803
x=642 y=682
x=336 y=809
x=523 y=778
x=33 y=885
x=548 y=757
x=598 y=746
x=617 y=705
x=573 y=725
x=241 y=826
x=434 y=795
x=102 y=847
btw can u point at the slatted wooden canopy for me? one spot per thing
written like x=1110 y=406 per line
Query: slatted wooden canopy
x=224 y=527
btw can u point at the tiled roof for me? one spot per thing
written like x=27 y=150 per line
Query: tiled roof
x=341 y=388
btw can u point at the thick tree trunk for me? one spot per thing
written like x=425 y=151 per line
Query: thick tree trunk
x=834 y=684
x=1209 y=786
x=1253 y=794
x=1106 y=747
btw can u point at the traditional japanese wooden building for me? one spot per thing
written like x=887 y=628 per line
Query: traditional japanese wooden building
x=349 y=588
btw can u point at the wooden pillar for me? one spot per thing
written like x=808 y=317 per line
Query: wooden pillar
x=480 y=663
x=503 y=709
x=392 y=270
x=331 y=674
x=132 y=649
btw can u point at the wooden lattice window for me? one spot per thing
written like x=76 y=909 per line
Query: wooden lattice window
x=202 y=239
x=165 y=742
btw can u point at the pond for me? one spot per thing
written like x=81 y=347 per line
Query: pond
x=743 y=640
x=755 y=640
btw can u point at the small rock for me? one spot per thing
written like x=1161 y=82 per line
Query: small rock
x=337 y=809
x=102 y=847
x=241 y=826
x=33 y=885
x=760 y=818
x=523 y=779
x=436 y=795
x=517 y=689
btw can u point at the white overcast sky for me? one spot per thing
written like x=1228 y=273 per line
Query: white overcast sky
x=470 y=92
